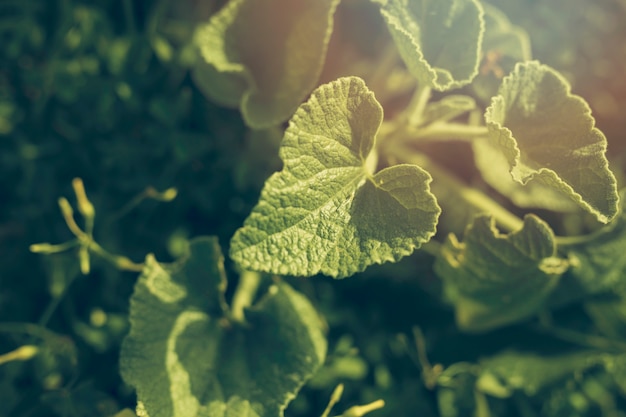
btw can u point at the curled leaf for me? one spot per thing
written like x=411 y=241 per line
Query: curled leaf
x=264 y=56
x=439 y=41
x=548 y=134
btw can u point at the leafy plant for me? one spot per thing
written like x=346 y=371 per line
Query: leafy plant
x=375 y=153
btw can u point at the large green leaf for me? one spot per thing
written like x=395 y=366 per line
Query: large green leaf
x=264 y=56
x=326 y=211
x=495 y=279
x=548 y=134
x=438 y=40
x=186 y=359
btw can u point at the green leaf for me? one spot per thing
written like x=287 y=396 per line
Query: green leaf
x=495 y=279
x=494 y=168
x=446 y=109
x=439 y=41
x=185 y=358
x=325 y=211
x=548 y=134
x=264 y=56
x=507 y=372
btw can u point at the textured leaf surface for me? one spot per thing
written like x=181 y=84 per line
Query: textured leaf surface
x=438 y=40
x=185 y=359
x=325 y=211
x=548 y=134
x=264 y=56
x=495 y=279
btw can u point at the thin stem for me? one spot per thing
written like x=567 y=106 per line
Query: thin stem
x=450 y=131
x=119 y=261
x=473 y=197
x=415 y=109
x=244 y=294
x=334 y=399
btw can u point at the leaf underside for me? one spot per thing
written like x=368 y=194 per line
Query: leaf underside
x=548 y=134
x=186 y=360
x=495 y=279
x=326 y=211
x=264 y=56
x=439 y=41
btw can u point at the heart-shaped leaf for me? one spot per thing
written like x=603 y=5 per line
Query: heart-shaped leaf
x=326 y=211
x=264 y=56
x=186 y=359
x=548 y=134
x=439 y=41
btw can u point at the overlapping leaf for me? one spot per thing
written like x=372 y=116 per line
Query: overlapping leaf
x=446 y=109
x=185 y=359
x=495 y=279
x=264 y=56
x=548 y=134
x=439 y=41
x=326 y=211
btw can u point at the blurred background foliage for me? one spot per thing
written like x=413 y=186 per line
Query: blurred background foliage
x=100 y=90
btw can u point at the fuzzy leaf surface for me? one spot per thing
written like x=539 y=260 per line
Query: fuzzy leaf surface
x=185 y=359
x=326 y=211
x=439 y=41
x=494 y=279
x=264 y=56
x=548 y=134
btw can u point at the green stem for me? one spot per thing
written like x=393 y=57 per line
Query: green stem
x=473 y=197
x=415 y=109
x=450 y=131
x=244 y=294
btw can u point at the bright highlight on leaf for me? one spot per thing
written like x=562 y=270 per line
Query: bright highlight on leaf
x=439 y=41
x=548 y=134
x=264 y=56
x=326 y=211
x=186 y=359
x=495 y=279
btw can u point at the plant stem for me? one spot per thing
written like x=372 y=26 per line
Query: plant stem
x=450 y=131
x=415 y=109
x=244 y=294
x=473 y=197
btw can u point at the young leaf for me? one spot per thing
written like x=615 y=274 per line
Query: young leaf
x=186 y=359
x=495 y=279
x=446 y=109
x=264 y=56
x=439 y=41
x=325 y=211
x=548 y=134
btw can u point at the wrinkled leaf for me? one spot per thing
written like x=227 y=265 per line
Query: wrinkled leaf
x=264 y=56
x=494 y=279
x=548 y=134
x=439 y=41
x=186 y=359
x=326 y=211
